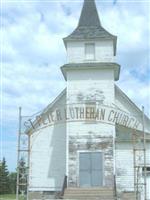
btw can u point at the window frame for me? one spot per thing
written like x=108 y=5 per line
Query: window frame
x=85 y=51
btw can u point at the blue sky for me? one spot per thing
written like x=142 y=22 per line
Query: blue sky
x=32 y=52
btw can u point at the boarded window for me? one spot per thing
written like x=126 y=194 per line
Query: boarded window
x=90 y=51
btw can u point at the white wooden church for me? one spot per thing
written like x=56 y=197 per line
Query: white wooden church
x=92 y=141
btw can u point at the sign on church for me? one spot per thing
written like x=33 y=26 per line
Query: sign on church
x=84 y=113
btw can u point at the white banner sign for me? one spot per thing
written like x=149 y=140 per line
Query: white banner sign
x=85 y=112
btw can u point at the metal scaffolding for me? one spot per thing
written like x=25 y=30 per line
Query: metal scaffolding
x=22 y=161
x=139 y=157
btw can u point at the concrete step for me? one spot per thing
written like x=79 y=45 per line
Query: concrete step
x=90 y=195
x=128 y=196
x=89 y=189
x=96 y=193
x=89 y=198
x=90 y=192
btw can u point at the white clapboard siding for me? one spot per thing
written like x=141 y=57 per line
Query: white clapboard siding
x=103 y=51
x=124 y=167
x=86 y=82
x=48 y=156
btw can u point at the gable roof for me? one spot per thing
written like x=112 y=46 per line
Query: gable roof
x=89 y=26
x=133 y=106
x=92 y=66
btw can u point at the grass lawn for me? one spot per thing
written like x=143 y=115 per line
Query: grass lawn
x=7 y=197
x=10 y=197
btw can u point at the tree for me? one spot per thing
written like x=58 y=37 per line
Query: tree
x=4 y=178
x=12 y=182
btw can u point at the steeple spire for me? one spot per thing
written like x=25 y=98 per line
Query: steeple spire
x=89 y=26
x=89 y=15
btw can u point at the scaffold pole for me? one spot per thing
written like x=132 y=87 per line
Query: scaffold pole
x=18 y=148
x=144 y=144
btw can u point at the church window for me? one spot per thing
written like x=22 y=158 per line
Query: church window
x=89 y=51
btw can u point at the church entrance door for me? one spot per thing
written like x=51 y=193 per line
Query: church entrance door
x=90 y=169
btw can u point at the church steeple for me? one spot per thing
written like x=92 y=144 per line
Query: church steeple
x=89 y=27
x=89 y=15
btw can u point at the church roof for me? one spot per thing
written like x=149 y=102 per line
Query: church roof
x=89 y=26
x=94 y=65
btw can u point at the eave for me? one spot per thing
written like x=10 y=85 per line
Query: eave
x=94 y=65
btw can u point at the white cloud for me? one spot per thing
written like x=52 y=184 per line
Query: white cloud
x=137 y=90
x=130 y=26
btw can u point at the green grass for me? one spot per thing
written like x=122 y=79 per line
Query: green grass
x=7 y=196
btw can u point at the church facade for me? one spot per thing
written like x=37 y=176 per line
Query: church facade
x=92 y=136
